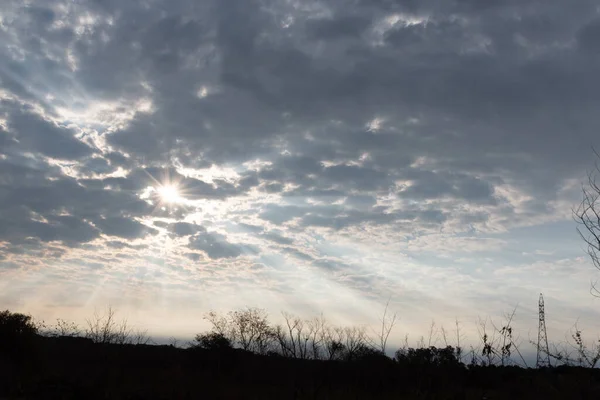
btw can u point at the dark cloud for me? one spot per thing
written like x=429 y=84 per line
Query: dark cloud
x=115 y=244
x=588 y=37
x=430 y=185
x=122 y=227
x=352 y=26
x=96 y=166
x=279 y=214
x=277 y=238
x=250 y=227
x=37 y=201
x=215 y=245
x=117 y=159
x=299 y=254
x=185 y=229
x=408 y=115
x=68 y=229
x=34 y=133
x=360 y=201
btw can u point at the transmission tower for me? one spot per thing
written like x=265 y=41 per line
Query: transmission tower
x=543 y=353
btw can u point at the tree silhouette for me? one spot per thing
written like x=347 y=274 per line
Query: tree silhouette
x=104 y=328
x=428 y=356
x=17 y=333
x=212 y=341
x=387 y=325
x=247 y=328
x=587 y=215
x=300 y=338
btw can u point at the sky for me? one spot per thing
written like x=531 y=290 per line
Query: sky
x=174 y=157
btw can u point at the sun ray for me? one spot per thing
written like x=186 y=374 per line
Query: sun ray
x=169 y=194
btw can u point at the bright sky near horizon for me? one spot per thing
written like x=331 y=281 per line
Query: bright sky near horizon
x=172 y=157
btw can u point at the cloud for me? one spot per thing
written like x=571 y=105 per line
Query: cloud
x=290 y=131
x=215 y=245
x=277 y=238
x=34 y=133
x=185 y=229
x=61 y=208
x=122 y=227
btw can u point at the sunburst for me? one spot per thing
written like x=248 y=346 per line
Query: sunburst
x=170 y=194
x=167 y=192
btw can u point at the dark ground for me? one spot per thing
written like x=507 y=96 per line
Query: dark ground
x=75 y=368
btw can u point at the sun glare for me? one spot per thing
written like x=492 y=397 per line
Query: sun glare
x=169 y=194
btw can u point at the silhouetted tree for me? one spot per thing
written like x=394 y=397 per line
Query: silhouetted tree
x=388 y=321
x=335 y=349
x=290 y=338
x=587 y=215
x=300 y=338
x=458 y=338
x=246 y=328
x=333 y=343
x=586 y=356
x=429 y=356
x=63 y=328
x=17 y=333
x=104 y=328
x=354 y=339
x=212 y=341
x=221 y=325
x=369 y=354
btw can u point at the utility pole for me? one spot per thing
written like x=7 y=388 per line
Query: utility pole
x=543 y=353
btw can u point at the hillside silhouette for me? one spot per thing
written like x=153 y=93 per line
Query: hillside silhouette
x=245 y=356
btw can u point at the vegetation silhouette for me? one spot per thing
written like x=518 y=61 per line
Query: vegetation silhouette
x=17 y=335
x=244 y=355
x=587 y=216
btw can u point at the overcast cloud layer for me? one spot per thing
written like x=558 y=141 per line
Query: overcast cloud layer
x=328 y=155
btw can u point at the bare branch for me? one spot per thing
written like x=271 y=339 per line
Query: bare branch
x=388 y=322
x=587 y=216
x=104 y=328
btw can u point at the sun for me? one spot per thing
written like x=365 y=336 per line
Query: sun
x=169 y=194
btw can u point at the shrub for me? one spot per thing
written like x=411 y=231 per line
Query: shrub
x=212 y=341
x=431 y=356
x=17 y=333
